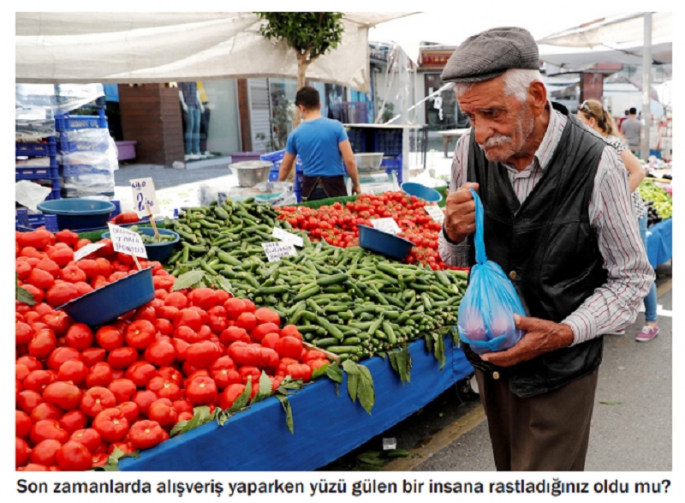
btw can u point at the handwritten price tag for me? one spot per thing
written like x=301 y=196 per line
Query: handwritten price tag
x=126 y=241
x=287 y=237
x=87 y=250
x=435 y=212
x=144 y=196
x=276 y=251
x=386 y=225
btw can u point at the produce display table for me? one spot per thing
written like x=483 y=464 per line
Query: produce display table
x=660 y=242
x=327 y=425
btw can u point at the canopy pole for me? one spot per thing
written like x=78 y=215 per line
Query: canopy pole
x=646 y=85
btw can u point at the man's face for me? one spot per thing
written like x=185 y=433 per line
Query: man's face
x=502 y=123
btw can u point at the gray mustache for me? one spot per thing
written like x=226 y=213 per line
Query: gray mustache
x=495 y=141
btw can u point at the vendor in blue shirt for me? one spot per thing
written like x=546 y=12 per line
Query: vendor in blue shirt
x=323 y=146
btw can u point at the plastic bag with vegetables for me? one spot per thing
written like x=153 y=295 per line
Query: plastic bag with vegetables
x=486 y=313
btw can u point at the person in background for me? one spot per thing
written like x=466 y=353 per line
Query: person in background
x=596 y=118
x=558 y=220
x=323 y=146
x=632 y=128
x=623 y=119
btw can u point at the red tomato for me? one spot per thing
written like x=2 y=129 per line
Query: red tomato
x=266 y=315
x=74 y=456
x=48 y=429
x=74 y=371
x=66 y=396
x=143 y=399
x=88 y=437
x=204 y=298
x=100 y=375
x=91 y=356
x=146 y=434
x=234 y=308
x=247 y=321
x=130 y=411
x=160 y=353
x=79 y=336
x=42 y=344
x=289 y=346
x=230 y=394
x=164 y=388
x=97 y=399
x=22 y=423
x=163 y=412
x=46 y=411
x=121 y=358
x=177 y=300
x=73 y=420
x=140 y=334
x=122 y=389
x=202 y=354
x=45 y=452
x=111 y=425
x=258 y=333
x=201 y=390
x=22 y=452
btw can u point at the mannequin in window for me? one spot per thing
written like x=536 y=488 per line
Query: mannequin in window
x=204 y=119
x=192 y=111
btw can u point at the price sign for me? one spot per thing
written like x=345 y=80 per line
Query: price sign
x=386 y=225
x=144 y=196
x=126 y=241
x=87 y=250
x=276 y=251
x=287 y=237
x=435 y=212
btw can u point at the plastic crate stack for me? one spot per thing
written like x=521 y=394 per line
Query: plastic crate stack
x=37 y=161
x=87 y=157
x=388 y=141
x=277 y=159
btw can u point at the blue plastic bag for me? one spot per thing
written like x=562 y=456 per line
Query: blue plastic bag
x=486 y=313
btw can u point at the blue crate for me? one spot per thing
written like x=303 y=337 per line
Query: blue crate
x=71 y=170
x=72 y=122
x=273 y=156
x=37 y=149
x=51 y=173
x=388 y=141
x=393 y=163
x=358 y=140
x=67 y=147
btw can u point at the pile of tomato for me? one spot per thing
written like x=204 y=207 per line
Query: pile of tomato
x=337 y=224
x=82 y=391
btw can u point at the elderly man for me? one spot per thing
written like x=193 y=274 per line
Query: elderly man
x=557 y=219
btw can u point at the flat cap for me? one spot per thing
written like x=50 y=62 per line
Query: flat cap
x=491 y=53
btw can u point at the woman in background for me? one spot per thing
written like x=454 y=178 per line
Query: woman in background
x=595 y=117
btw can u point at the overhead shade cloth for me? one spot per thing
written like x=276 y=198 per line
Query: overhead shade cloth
x=162 y=47
x=581 y=59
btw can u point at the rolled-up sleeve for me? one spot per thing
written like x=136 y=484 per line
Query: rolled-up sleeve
x=456 y=254
x=629 y=274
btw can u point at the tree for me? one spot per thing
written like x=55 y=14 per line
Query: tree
x=310 y=34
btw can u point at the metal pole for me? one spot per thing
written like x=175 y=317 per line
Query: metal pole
x=646 y=84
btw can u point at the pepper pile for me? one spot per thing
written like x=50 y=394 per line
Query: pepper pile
x=81 y=392
x=337 y=224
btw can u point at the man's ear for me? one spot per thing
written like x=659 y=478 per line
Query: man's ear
x=537 y=97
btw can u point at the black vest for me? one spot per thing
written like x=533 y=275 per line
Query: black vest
x=547 y=247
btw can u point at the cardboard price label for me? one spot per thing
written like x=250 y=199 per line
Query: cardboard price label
x=435 y=212
x=386 y=225
x=144 y=196
x=87 y=250
x=276 y=251
x=126 y=241
x=287 y=237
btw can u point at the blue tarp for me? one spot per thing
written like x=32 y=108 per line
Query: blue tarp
x=660 y=242
x=327 y=425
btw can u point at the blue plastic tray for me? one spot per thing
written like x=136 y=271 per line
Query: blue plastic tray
x=37 y=173
x=78 y=213
x=156 y=251
x=384 y=242
x=111 y=301
x=70 y=123
x=37 y=149
x=421 y=191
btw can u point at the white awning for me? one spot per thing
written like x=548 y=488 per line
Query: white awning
x=162 y=47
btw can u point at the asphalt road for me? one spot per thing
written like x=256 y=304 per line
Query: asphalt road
x=631 y=425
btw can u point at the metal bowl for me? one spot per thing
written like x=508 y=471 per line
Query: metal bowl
x=250 y=173
x=369 y=162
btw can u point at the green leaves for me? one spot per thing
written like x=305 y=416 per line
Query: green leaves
x=23 y=295
x=264 y=388
x=112 y=464
x=201 y=415
x=334 y=372
x=288 y=412
x=360 y=384
x=244 y=397
x=187 y=280
x=316 y=373
x=439 y=349
x=400 y=361
x=224 y=284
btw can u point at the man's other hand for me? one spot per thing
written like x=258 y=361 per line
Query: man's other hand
x=541 y=337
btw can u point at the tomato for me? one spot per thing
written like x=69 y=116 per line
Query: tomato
x=146 y=434
x=292 y=331
x=100 y=459
x=160 y=353
x=140 y=334
x=243 y=354
x=22 y=423
x=68 y=237
x=111 y=425
x=121 y=358
x=83 y=288
x=218 y=320
x=269 y=357
x=177 y=300
x=42 y=344
x=270 y=340
x=74 y=371
x=247 y=321
x=65 y=395
x=171 y=374
x=45 y=452
x=49 y=266
x=122 y=389
x=233 y=334
x=167 y=312
x=247 y=371
x=235 y=307
x=164 y=388
x=258 y=333
x=180 y=346
x=163 y=282
x=204 y=298
x=140 y=372
x=202 y=354
x=96 y=399
x=201 y=390
x=91 y=356
x=30 y=361
x=100 y=375
x=164 y=327
x=109 y=338
x=266 y=315
x=289 y=346
x=230 y=394
x=73 y=274
x=22 y=452
x=58 y=321
x=90 y=267
x=143 y=399
x=73 y=420
x=48 y=429
x=46 y=410
x=74 y=456
x=163 y=412
x=130 y=411
x=79 y=336
x=89 y=437
x=188 y=318
x=300 y=371
x=61 y=355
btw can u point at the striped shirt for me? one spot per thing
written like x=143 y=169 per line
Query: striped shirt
x=615 y=304
x=638 y=204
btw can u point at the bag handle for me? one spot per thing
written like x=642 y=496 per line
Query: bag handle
x=481 y=258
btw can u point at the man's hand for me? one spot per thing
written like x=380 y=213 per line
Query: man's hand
x=356 y=189
x=541 y=337
x=460 y=215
